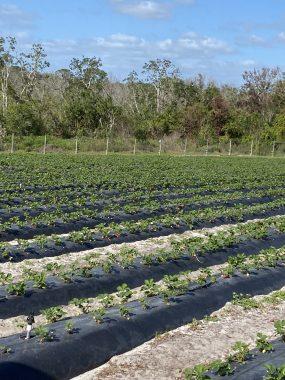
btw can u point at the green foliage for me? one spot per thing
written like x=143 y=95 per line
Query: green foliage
x=124 y=292
x=196 y=373
x=44 y=334
x=241 y=351
x=222 y=368
x=280 y=328
x=98 y=314
x=53 y=314
x=5 y=350
x=274 y=373
x=23 y=119
x=69 y=327
x=17 y=288
x=262 y=343
x=245 y=301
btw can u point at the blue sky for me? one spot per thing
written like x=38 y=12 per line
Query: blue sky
x=218 y=38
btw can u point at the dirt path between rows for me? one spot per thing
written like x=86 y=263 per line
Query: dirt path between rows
x=166 y=356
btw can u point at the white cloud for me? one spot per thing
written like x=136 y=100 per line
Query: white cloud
x=248 y=62
x=281 y=36
x=149 y=9
x=143 y=8
x=12 y=17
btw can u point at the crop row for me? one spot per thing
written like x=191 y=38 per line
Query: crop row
x=127 y=203
x=173 y=306
x=57 y=283
x=59 y=222
x=136 y=173
x=128 y=257
x=88 y=238
x=241 y=355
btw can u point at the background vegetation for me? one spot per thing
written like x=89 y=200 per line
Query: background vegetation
x=157 y=102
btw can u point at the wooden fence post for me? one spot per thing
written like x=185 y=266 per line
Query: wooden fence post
x=76 y=145
x=185 y=147
x=160 y=146
x=251 y=148
x=135 y=146
x=107 y=146
x=230 y=148
x=12 y=143
x=207 y=148
x=273 y=149
x=45 y=144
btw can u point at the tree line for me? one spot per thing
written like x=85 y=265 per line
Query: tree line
x=82 y=100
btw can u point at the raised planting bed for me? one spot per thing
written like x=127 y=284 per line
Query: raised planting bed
x=89 y=239
x=255 y=367
x=57 y=291
x=67 y=222
x=92 y=344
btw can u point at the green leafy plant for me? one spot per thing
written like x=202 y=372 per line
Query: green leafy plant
x=5 y=349
x=16 y=288
x=144 y=303
x=274 y=373
x=69 y=327
x=280 y=328
x=196 y=373
x=245 y=301
x=241 y=351
x=98 y=314
x=262 y=344
x=82 y=303
x=124 y=311
x=222 y=368
x=44 y=334
x=53 y=314
x=106 y=300
x=150 y=288
x=124 y=292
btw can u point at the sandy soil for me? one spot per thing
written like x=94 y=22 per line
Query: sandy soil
x=166 y=356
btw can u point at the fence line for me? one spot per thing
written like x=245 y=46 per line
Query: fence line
x=185 y=147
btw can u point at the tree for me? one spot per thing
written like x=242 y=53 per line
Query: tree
x=23 y=119
x=32 y=64
x=7 y=61
x=258 y=87
x=160 y=74
x=88 y=72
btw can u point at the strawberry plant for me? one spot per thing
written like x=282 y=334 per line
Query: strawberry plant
x=5 y=350
x=274 y=373
x=16 y=288
x=82 y=303
x=196 y=373
x=124 y=292
x=280 y=328
x=263 y=344
x=69 y=327
x=53 y=314
x=222 y=368
x=44 y=334
x=150 y=288
x=98 y=314
x=106 y=300
x=124 y=312
x=241 y=351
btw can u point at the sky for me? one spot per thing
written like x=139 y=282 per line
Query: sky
x=217 y=38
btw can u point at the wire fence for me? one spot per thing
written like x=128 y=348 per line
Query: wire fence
x=168 y=145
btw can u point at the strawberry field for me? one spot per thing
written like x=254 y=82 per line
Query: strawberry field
x=110 y=252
